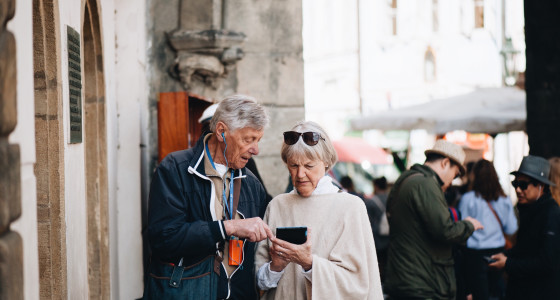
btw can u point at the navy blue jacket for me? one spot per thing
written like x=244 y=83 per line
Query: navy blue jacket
x=180 y=222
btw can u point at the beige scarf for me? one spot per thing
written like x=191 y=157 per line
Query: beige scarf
x=344 y=260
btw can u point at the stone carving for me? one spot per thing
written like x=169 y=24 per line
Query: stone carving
x=205 y=56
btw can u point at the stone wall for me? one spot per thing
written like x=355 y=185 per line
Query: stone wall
x=11 y=248
x=270 y=69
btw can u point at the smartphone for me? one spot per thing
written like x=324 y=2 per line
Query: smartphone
x=488 y=259
x=294 y=235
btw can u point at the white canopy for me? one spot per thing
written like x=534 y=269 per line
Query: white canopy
x=487 y=110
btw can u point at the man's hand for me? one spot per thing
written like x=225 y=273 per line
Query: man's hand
x=500 y=262
x=475 y=222
x=253 y=229
x=299 y=254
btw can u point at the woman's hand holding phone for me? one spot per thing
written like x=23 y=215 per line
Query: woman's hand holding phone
x=285 y=253
x=277 y=263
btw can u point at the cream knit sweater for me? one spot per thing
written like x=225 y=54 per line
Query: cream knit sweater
x=344 y=260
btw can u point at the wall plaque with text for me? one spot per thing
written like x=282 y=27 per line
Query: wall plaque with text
x=75 y=85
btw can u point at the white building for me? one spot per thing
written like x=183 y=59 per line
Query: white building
x=367 y=56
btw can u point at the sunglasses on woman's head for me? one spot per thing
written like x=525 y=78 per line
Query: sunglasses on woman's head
x=310 y=138
x=520 y=184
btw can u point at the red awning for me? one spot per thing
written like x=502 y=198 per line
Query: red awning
x=357 y=150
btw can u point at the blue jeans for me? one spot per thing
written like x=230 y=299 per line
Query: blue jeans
x=197 y=281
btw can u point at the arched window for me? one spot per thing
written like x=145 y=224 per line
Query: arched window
x=429 y=65
x=393 y=14
x=478 y=13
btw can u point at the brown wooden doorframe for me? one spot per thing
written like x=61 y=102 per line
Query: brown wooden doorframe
x=49 y=143
x=95 y=147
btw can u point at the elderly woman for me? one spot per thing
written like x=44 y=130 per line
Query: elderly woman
x=338 y=260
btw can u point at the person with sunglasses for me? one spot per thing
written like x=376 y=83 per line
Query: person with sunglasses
x=338 y=259
x=533 y=264
x=205 y=210
x=422 y=234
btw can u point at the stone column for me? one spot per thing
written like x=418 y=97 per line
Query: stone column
x=542 y=77
x=11 y=248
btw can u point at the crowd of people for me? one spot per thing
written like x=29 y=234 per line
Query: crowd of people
x=214 y=231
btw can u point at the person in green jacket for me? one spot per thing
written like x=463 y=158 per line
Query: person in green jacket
x=420 y=261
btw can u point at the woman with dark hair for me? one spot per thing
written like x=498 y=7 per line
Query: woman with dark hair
x=488 y=203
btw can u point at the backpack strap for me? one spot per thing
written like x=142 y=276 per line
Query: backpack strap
x=236 y=192
x=401 y=185
x=379 y=203
x=454 y=214
x=406 y=179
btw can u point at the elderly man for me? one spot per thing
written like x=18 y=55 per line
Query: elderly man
x=533 y=264
x=420 y=262
x=205 y=211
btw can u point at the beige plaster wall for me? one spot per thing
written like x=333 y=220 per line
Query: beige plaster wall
x=131 y=93
x=75 y=206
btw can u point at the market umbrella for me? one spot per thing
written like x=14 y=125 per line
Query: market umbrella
x=357 y=150
x=486 y=110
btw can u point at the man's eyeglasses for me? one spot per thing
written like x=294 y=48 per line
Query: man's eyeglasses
x=310 y=138
x=520 y=184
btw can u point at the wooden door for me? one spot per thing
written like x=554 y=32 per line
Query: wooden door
x=178 y=127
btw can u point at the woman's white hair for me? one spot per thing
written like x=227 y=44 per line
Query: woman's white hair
x=240 y=111
x=324 y=150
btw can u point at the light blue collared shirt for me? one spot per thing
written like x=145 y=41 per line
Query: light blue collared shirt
x=491 y=236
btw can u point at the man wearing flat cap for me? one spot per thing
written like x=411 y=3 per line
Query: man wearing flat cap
x=533 y=264
x=420 y=261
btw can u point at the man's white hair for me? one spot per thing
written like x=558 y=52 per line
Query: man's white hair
x=240 y=111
